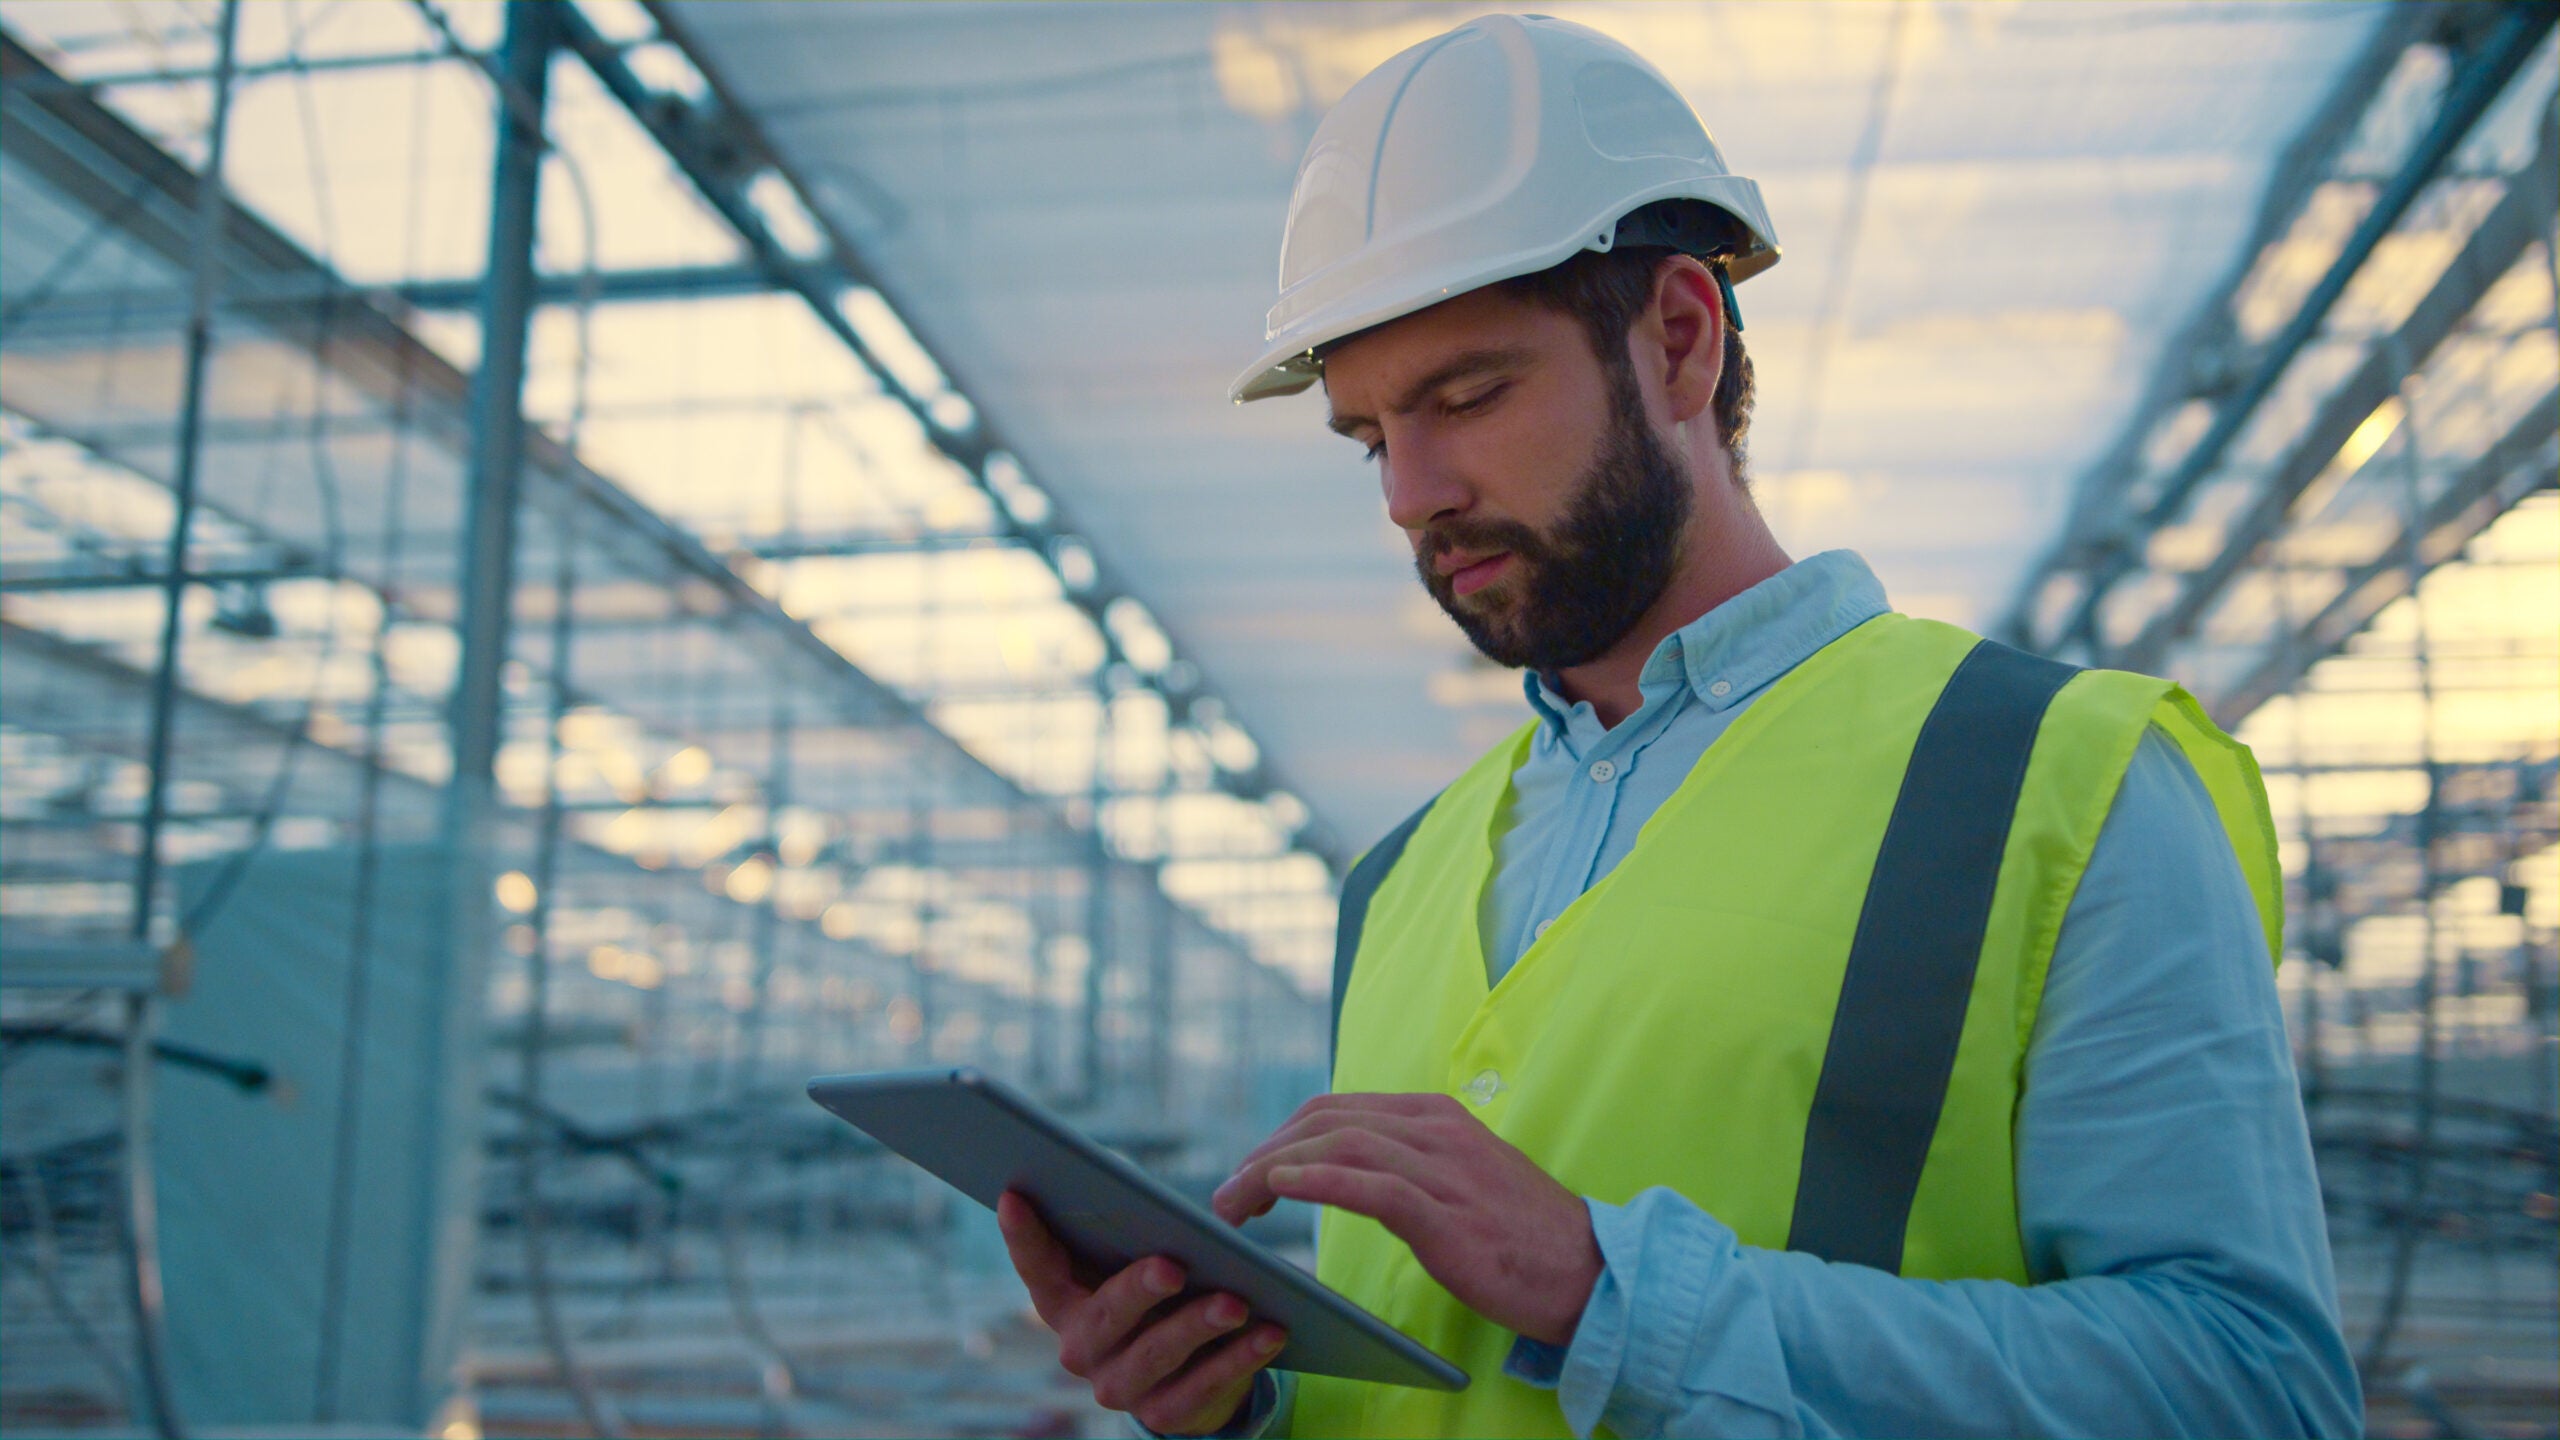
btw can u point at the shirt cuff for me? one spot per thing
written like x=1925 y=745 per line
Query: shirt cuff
x=1263 y=1405
x=1677 y=1331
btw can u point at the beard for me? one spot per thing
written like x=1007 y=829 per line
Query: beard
x=1577 y=589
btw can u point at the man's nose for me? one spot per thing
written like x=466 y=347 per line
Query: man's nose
x=1421 y=485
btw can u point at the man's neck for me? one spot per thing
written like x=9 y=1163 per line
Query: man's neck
x=1728 y=549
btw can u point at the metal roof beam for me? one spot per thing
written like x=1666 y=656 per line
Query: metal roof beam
x=43 y=577
x=674 y=282
x=99 y=160
x=2516 y=223
x=2191 y=361
x=719 y=150
x=2520 y=463
x=123 y=312
x=2102 y=544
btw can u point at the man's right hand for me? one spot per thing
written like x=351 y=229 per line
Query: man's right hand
x=1181 y=1371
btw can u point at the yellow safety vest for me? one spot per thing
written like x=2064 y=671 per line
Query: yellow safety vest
x=1672 y=1026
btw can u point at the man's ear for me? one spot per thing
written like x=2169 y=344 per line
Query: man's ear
x=1680 y=336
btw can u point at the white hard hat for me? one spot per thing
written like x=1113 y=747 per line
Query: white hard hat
x=1498 y=149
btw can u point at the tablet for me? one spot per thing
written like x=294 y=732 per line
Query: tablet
x=985 y=1138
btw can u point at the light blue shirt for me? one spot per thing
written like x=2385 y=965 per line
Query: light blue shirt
x=2166 y=1195
x=1578 y=800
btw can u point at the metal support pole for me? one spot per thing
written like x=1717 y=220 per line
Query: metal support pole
x=346 y=1126
x=2412 y=1223
x=212 y=212
x=1162 y=972
x=1097 y=913
x=1046 y=1080
x=141 y=1200
x=451 y=1125
x=920 y=966
x=776 y=1376
x=533 y=1218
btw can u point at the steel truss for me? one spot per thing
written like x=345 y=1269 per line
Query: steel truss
x=276 y=295
x=2076 y=599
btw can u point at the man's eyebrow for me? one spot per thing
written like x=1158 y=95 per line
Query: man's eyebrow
x=1464 y=365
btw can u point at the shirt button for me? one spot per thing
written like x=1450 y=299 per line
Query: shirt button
x=1720 y=689
x=1543 y=927
x=1604 y=771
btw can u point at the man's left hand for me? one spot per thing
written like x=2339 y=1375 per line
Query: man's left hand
x=1496 y=1231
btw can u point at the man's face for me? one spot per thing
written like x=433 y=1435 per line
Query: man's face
x=1544 y=513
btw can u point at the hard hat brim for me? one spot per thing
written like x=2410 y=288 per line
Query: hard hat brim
x=1289 y=364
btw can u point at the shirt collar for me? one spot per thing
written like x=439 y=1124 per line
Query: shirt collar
x=1739 y=648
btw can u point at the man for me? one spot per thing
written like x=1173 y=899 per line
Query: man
x=1815 y=1021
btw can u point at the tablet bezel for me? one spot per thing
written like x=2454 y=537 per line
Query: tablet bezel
x=947 y=1120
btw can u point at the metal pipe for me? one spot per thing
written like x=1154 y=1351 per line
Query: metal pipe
x=451 y=1124
x=2412 y=1224
x=1097 y=912
x=212 y=209
x=1162 y=976
x=297 y=65
x=356 y=1011
x=49 y=578
x=141 y=1199
x=777 y=1377
x=533 y=1218
x=142 y=1215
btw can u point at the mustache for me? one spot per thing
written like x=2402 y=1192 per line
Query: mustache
x=1478 y=535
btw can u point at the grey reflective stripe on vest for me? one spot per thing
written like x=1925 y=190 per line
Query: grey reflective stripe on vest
x=1911 y=963
x=1909 y=978
x=1357 y=887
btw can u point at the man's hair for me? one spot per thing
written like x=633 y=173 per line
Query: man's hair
x=1606 y=290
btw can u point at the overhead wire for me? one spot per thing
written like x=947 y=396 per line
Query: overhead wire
x=1827 y=322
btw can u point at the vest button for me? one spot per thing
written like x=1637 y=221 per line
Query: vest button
x=1481 y=1090
x=1604 y=771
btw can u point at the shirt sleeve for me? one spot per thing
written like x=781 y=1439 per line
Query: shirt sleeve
x=1266 y=1411
x=2167 y=1200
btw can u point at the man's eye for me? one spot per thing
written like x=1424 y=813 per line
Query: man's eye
x=1481 y=400
x=1372 y=449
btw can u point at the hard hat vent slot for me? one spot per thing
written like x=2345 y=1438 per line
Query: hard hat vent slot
x=1630 y=115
